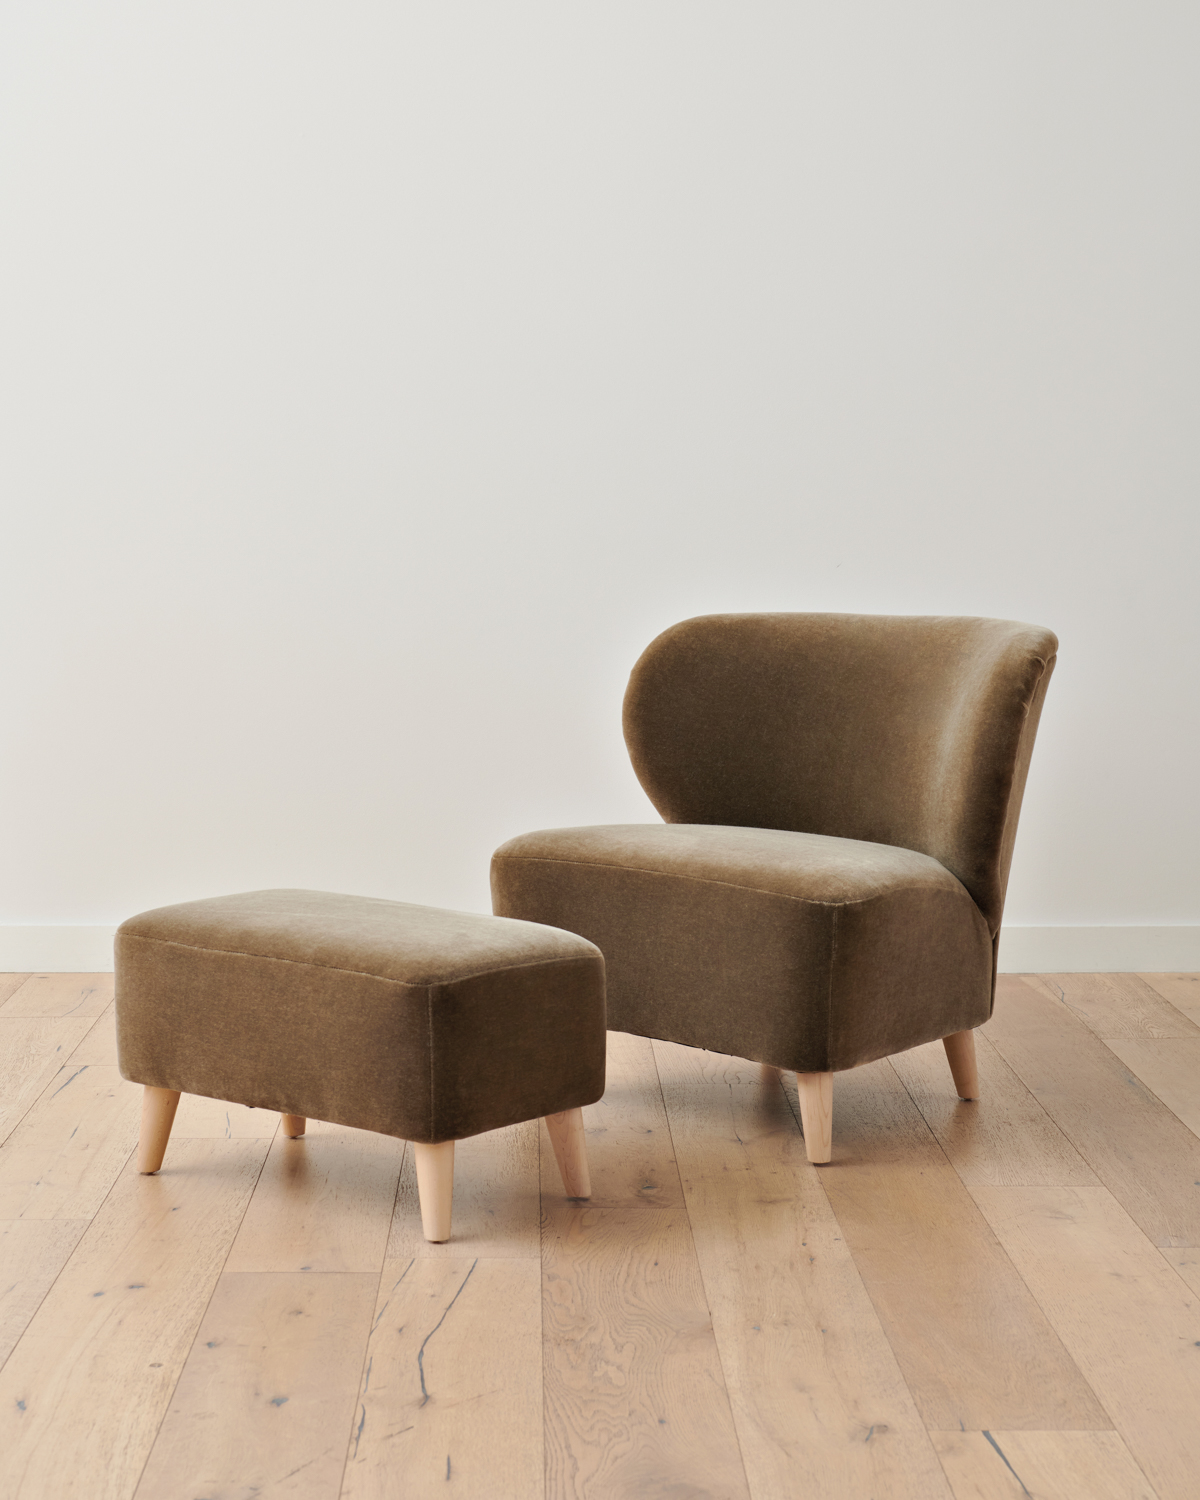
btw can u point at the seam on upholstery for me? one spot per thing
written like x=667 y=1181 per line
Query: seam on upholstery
x=829 y=993
x=432 y=1111
x=408 y=984
x=541 y=859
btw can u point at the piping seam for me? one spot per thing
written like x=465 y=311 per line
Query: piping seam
x=408 y=984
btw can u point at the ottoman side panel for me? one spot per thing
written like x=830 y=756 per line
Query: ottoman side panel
x=299 y=1038
x=516 y=1043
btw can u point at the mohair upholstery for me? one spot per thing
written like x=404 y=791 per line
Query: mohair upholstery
x=841 y=795
x=415 y=1022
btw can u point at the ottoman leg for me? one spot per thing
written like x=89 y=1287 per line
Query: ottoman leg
x=293 y=1126
x=158 y=1115
x=570 y=1152
x=435 y=1187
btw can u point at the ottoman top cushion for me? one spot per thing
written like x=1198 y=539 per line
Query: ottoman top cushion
x=411 y=945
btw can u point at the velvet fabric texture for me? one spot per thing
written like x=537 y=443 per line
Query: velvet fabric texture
x=408 y=1020
x=841 y=795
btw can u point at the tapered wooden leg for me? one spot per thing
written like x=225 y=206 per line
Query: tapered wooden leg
x=816 y=1114
x=960 y=1052
x=158 y=1115
x=435 y=1188
x=294 y=1126
x=570 y=1152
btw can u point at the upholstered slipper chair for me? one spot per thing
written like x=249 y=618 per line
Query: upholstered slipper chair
x=841 y=795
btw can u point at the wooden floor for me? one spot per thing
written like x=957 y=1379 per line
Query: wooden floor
x=975 y=1301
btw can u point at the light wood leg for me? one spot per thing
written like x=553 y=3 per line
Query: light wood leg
x=570 y=1152
x=158 y=1115
x=816 y=1114
x=435 y=1188
x=960 y=1052
x=294 y=1126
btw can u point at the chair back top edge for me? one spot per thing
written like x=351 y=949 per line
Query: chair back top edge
x=908 y=730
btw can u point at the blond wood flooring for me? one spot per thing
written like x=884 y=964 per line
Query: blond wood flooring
x=970 y=1302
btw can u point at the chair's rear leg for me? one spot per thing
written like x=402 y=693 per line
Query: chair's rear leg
x=435 y=1187
x=158 y=1115
x=816 y=1114
x=570 y=1152
x=960 y=1053
x=294 y=1125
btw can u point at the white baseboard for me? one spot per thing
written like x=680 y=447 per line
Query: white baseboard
x=1023 y=950
x=1099 y=950
x=56 y=950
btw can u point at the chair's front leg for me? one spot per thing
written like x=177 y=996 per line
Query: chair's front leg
x=960 y=1053
x=294 y=1126
x=570 y=1152
x=158 y=1115
x=816 y=1114
x=435 y=1188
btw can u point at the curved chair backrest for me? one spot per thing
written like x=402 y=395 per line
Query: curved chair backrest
x=899 y=730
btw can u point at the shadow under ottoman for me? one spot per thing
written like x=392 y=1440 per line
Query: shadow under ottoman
x=411 y=1021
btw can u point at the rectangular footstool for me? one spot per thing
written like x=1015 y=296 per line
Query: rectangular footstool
x=411 y=1021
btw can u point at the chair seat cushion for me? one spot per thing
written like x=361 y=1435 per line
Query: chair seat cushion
x=409 y=1020
x=798 y=949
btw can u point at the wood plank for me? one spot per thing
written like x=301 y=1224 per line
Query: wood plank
x=61 y=995
x=32 y=1049
x=497 y=1200
x=1147 y=1158
x=1005 y=1136
x=32 y=1253
x=67 y=1152
x=451 y=1393
x=10 y=984
x=84 y=1391
x=1169 y=1069
x=635 y=1396
x=1132 y=1325
x=1186 y=1263
x=324 y=1203
x=266 y=1398
x=1040 y=1465
x=975 y=1348
x=820 y=1405
x=1114 y=1005
x=1182 y=990
x=201 y=1118
x=100 y=1043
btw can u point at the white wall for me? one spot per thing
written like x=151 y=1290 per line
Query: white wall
x=381 y=377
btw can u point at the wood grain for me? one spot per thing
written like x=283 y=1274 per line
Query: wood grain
x=820 y=1405
x=975 y=1348
x=635 y=1397
x=1137 y=1148
x=1182 y=990
x=61 y=995
x=99 y=1045
x=1132 y=1326
x=84 y=1391
x=202 y=1119
x=10 y=984
x=451 y=1393
x=265 y=1401
x=497 y=1203
x=323 y=1203
x=32 y=1049
x=67 y=1152
x=1116 y=1005
x=1170 y=1069
x=1041 y=1466
x=1005 y=1137
x=32 y=1253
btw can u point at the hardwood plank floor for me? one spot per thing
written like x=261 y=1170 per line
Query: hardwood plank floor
x=970 y=1302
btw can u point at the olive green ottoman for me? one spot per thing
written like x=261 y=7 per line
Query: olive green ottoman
x=415 y=1022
